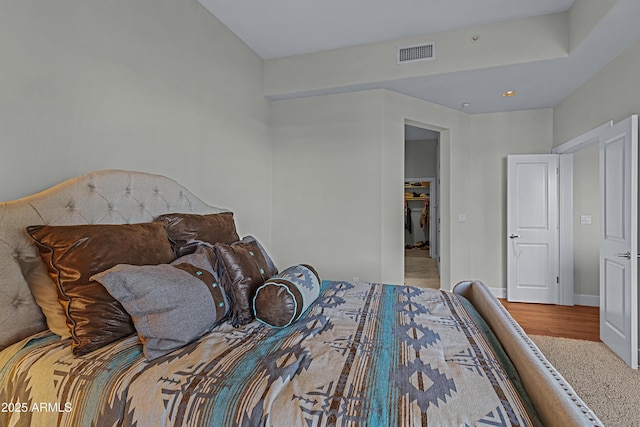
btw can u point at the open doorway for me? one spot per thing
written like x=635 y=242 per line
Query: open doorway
x=617 y=242
x=586 y=226
x=421 y=231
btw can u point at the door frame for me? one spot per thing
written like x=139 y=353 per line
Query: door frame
x=566 y=150
x=442 y=209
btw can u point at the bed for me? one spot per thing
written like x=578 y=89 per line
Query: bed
x=120 y=306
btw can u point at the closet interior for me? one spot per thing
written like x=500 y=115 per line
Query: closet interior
x=420 y=207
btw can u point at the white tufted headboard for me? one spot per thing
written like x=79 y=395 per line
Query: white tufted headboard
x=103 y=197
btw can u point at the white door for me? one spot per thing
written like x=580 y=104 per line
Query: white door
x=619 y=239
x=532 y=228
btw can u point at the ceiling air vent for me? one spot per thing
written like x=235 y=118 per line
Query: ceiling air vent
x=415 y=53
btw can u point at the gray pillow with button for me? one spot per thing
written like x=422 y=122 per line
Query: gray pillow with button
x=171 y=304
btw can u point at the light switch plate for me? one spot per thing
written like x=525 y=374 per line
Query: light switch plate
x=585 y=219
x=462 y=217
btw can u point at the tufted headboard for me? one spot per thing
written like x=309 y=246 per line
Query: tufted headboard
x=103 y=197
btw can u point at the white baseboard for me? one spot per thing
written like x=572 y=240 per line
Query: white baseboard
x=499 y=292
x=588 y=300
x=578 y=299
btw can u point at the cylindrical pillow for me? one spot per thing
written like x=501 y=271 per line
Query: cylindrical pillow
x=282 y=299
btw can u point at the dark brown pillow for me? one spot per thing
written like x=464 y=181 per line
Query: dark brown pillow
x=187 y=230
x=243 y=267
x=283 y=298
x=75 y=253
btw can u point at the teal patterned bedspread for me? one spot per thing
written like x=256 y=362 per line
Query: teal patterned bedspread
x=363 y=355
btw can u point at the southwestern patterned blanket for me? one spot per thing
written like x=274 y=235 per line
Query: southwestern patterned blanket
x=364 y=354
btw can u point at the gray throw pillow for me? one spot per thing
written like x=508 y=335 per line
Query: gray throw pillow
x=171 y=304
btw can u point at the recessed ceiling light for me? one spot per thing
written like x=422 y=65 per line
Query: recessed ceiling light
x=510 y=93
x=465 y=104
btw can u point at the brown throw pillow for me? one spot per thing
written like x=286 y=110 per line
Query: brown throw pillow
x=187 y=230
x=283 y=298
x=243 y=267
x=74 y=253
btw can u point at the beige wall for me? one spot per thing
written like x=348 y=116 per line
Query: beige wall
x=473 y=152
x=583 y=16
x=586 y=201
x=474 y=174
x=613 y=94
x=495 y=136
x=139 y=85
x=339 y=174
x=326 y=184
x=339 y=181
x=158 y=86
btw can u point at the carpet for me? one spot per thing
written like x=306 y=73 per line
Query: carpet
x=603 y=381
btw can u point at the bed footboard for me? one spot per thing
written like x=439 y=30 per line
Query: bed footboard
x=554 y=399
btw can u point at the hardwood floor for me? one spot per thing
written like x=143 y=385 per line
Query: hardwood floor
x=578 y=322
x=420 y=270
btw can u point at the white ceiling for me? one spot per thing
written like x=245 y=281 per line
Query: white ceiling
x=278 y=28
